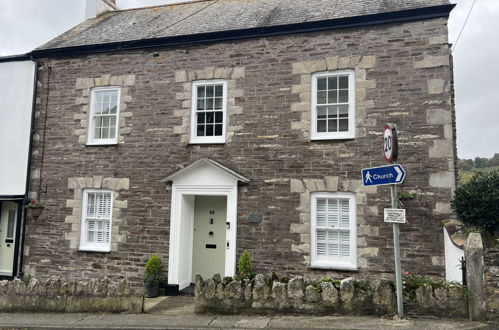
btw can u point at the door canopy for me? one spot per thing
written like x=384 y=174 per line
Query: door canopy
x=205 y=172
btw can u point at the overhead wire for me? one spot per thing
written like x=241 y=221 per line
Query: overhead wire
x=169 y=26
x=464 y=25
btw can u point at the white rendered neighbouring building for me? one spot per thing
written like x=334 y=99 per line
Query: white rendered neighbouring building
x=16 y=95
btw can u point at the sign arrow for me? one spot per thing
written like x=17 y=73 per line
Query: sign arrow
x=377 y=176
x=399 y=174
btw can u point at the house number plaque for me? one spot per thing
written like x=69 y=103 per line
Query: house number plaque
x=255 y=218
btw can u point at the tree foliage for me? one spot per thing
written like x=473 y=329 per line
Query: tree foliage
x=494 y=161
x=464 y=165
x=477 y=202
x=480 y=162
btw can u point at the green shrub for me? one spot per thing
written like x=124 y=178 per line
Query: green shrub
x=244 y=266
x=152 y=269
x=412 y=282
x=317 y=285
x=26 y=279
x=477 y=202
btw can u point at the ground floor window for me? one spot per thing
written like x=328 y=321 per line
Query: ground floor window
x=96 y=220
x=333 y=226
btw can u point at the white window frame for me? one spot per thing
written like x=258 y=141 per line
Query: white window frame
x=91 y=122
x=328 y=262
x=350 y=134
x=194 y=139
x=84 y=244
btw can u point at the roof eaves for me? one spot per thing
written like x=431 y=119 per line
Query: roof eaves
x=16 y=58
x=259 y=32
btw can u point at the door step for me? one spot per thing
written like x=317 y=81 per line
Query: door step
x=169 y=305
x=189 y=291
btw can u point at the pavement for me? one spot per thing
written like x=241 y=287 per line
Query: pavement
x=178 y=313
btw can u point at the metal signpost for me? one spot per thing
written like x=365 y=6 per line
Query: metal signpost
x=392 y=175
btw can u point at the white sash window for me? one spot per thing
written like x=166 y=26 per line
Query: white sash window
x=334 y=226
x=104 y=116
x=96 y=221
x=333 y=105
x=209 y=111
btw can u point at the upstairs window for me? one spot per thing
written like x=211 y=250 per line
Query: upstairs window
x=333 y=105
x=334 y=224
x=104 y=115
x=96 y=221
x=209 y=111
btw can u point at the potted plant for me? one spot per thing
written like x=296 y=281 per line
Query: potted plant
x=151 y=272
x=35 y=208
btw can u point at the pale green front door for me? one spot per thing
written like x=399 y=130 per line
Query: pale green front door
x=209 y=242
x=8 y=224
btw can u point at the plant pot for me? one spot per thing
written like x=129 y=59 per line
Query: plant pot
x=152 y=289
x=35 y=212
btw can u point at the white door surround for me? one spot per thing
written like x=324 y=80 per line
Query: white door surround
x=204 y=177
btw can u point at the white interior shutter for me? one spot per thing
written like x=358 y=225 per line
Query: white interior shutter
x=107 y=231
x=91 y=205
x=333 y=213
x=91 y=231
x=345 y=243
x=103 y=213
x=345 y=213
x=103 y=205
x=333 y=243
x=321 y=242
x=321 y=213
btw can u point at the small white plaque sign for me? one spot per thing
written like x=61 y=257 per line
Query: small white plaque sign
x=395 y=215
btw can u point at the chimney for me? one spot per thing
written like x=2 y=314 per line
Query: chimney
x=97 y=7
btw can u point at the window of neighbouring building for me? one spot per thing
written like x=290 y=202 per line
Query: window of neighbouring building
x=333 y=225
x=209 y=111
x=104 y=115
x=96 y=220
x=333 y=105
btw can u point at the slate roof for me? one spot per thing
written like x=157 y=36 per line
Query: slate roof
x=205 y=16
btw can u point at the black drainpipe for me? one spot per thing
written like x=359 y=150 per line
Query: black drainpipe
x=28 y=175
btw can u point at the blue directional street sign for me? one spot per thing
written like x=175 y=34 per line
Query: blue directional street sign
x=377 y=176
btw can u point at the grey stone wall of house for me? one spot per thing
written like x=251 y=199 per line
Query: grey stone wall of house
x=265 y=295
x=403 y=75
x=55 y=295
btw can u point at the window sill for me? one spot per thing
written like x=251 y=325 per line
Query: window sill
x=206 y=142
x=348 y=268
x=91 y=249
x=326 y=138
x=101 y=144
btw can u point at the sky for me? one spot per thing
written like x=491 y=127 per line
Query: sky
x=27 y=24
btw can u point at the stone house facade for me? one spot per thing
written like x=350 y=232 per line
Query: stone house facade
x=134 y=135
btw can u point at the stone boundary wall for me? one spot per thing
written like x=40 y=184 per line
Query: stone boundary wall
x=263 y=295
x=54 y=295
